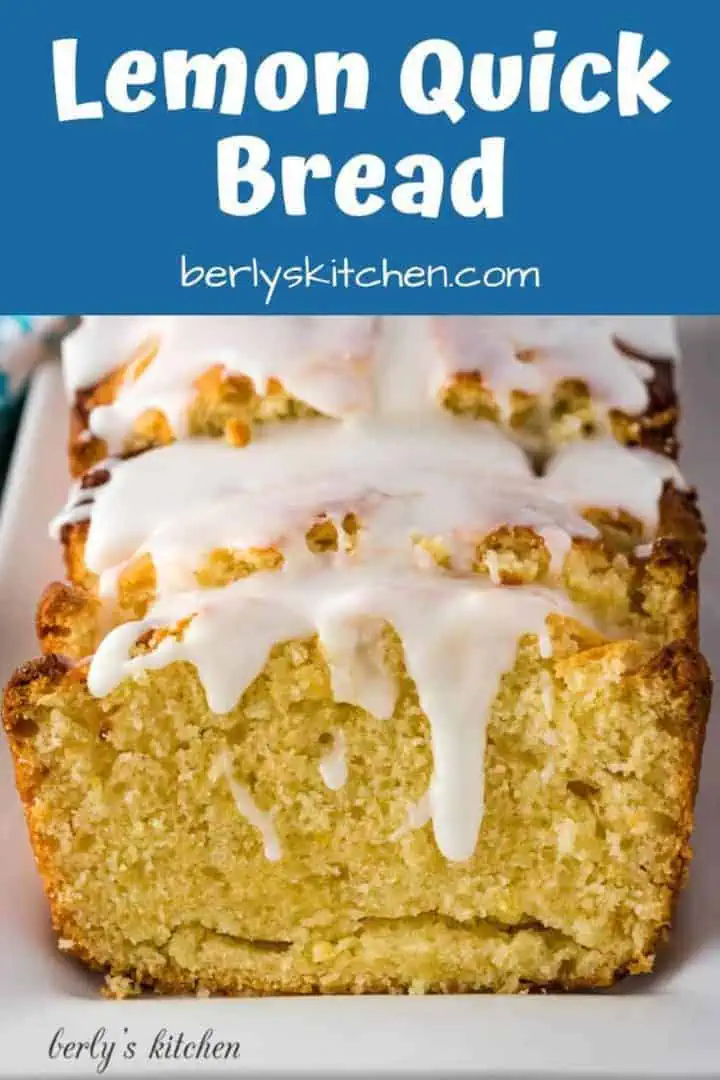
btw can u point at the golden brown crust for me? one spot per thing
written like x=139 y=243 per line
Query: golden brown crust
x=680 y=519
x=657 y=428
x=21 y=694
x=67 y=620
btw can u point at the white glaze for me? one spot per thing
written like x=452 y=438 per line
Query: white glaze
x=548 y=694
x=333 y=766
x=418 y=815
x=492 y=563
x=259 y=819
x=605 y=474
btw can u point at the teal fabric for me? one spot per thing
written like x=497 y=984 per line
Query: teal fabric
x=13 y=327
x=9 y=418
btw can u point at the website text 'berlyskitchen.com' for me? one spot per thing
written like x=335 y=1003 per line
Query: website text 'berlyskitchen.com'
x=339 y=273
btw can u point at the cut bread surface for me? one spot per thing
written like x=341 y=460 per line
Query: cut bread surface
x=157 y=873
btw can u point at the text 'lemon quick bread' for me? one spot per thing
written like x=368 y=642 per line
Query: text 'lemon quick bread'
x=384 y=702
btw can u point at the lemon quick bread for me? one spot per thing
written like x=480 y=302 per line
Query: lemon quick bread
x=387 y=698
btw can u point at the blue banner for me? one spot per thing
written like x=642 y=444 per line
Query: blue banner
x=324 y=157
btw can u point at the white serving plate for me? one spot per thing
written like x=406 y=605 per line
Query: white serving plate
x=664 y=1025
